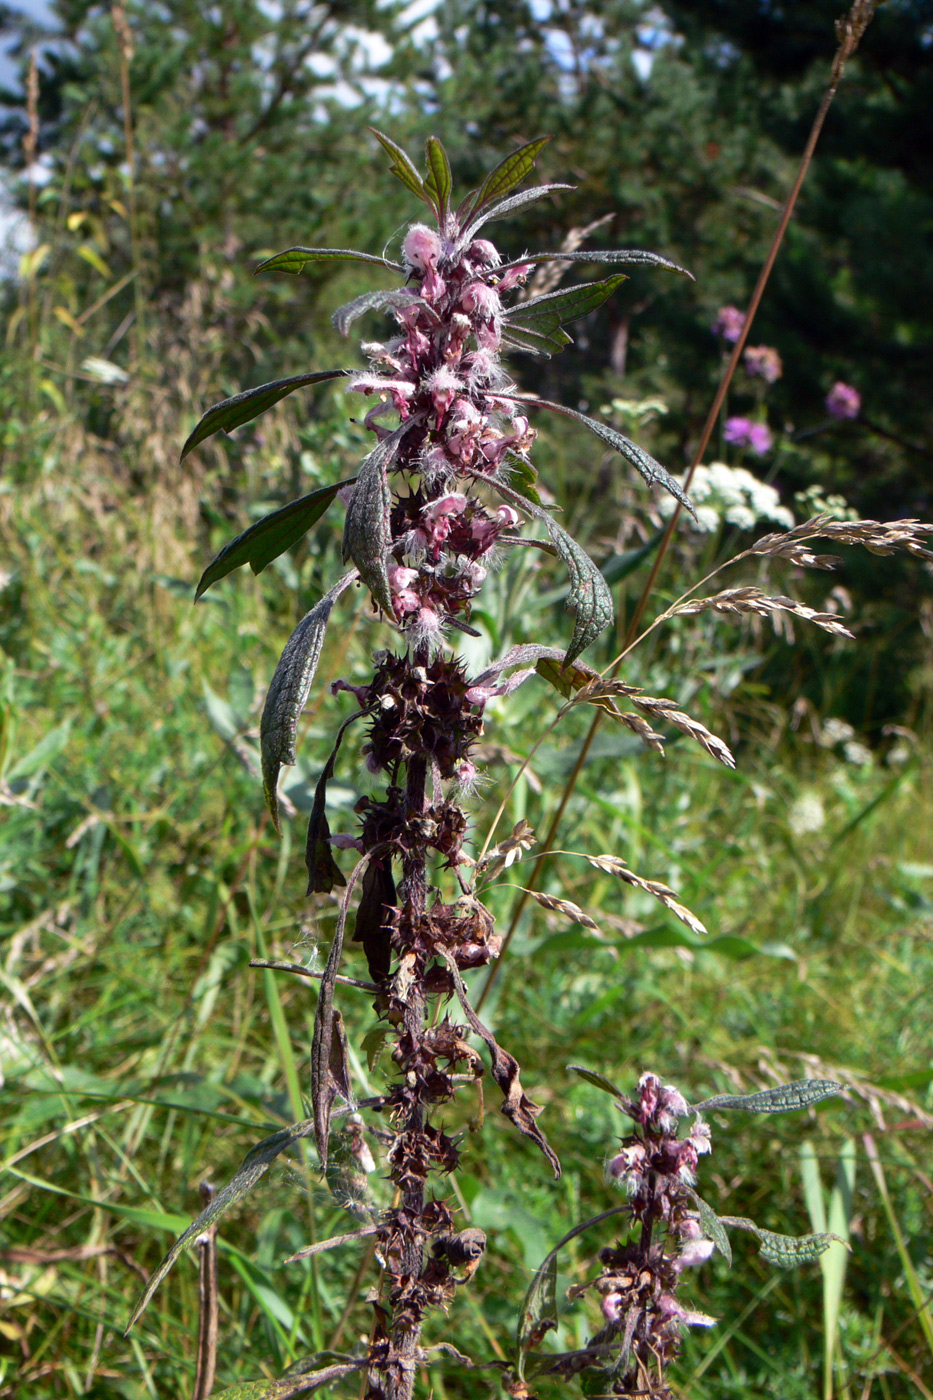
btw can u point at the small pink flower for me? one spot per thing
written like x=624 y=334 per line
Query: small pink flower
x=400 y=577
x=452 y=504
x=843 y=401
x=421 y=248
x=507 y=517
x=405 y=601
x=763 y=361
x=729 y=323
x=695 y=1253
x=482 y=251
x=481 y=299
x=514 y=276
x=612 y=1307
x=669 y=1307
x=343 y=842
x=443 y=386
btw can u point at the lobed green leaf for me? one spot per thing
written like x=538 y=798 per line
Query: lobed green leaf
x=232 y=413
x=371 y=301
x=603 y=255
x=270 y=536
x=367 y=532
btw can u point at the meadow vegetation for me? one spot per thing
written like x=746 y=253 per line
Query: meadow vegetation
x=140 y=872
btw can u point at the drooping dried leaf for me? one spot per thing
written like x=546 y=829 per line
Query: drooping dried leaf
x=615 y=865
x=345 y=315
x=783 y=1098
x=255 y=1164
x=377 y=897
x=289 y=689
x=294 y=259
x=270 y=536
x=288 y=1386
x=743 y=601
x=323 y=871
x=242 y=408
x=538 y=1314
x=570 y=911
x=324 y=1027
x=367 y=532
x=518 y=1108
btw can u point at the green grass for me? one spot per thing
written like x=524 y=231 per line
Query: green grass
x=141 y=1054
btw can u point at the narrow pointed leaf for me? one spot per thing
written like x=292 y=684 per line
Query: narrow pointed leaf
x=255 y=1164
x=293 y=260
x=522 y=477
x=642 y=461
x=367 y=532
x=439 y=182
x=323 y=871
x=232 y=413
x=325 y=1025
x=372 y=301
x=270 y=536
x=787 y=1251
x=508 y=174
x=600 y=1080
x=784 y=1098
x=288 y=691
x=288 y=1386
x=589 y=597
x=603 y=255
x=539 y=1310
x=713 y=1228
x=509 y=206
x=546 y=314
x=402 y=167
x=535 y=342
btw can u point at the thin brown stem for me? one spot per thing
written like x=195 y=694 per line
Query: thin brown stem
x=850 y=31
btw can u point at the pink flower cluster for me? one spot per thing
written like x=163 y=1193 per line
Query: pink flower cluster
x=763 y=362
x=843 y=401
x=729 y=323
x=743 y=432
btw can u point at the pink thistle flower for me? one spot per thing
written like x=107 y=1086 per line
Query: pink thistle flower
x=843 y=401
x=729 y=323
x=763 y=361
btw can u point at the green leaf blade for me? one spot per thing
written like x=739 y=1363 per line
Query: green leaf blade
x=440 y=181
x=270 y=536
x=784 y=1098
x=548 y=313
x=402 y=167
x=508 y=174
x=241 y=408
x=294 y=260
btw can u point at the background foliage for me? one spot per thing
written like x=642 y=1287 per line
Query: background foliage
x=137 y=870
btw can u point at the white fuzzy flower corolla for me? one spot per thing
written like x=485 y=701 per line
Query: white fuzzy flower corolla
x=730 y=494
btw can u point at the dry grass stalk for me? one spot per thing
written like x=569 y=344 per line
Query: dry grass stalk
x=879 y=537
x=615 y=865
x=742 y=601
x=599 y=691
x=571 y=911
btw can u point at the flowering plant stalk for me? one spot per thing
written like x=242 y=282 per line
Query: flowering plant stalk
x=445 y=491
